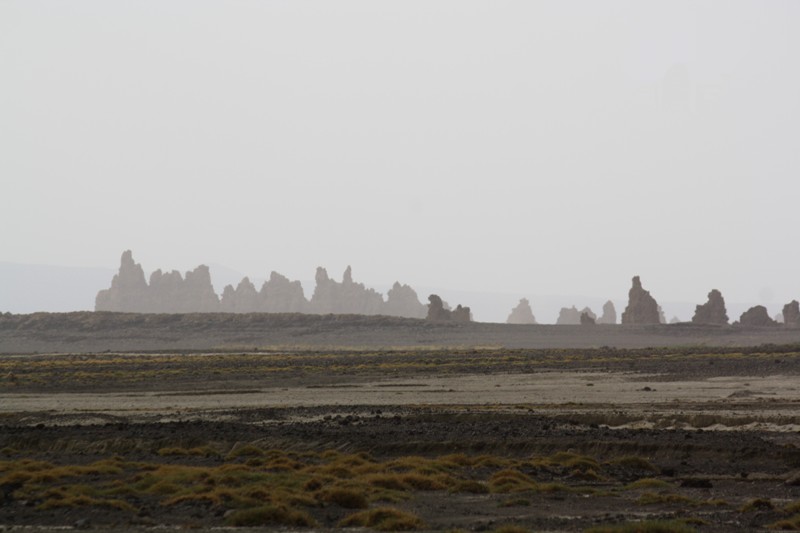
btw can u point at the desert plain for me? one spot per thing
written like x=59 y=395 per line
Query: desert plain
x=117 y=422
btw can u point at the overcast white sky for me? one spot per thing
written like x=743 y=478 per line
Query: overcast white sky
x=512 y=146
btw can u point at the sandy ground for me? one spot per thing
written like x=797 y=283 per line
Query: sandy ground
x=712 y=433
x=590 y=390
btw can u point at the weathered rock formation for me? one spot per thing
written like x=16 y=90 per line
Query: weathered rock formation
x=172 y=293
x=166 y=293
x=279 y=295
x=642 y=308
x=791 y=314
x=128 y=290
x=609 y=314
x=438 y=312
x=571 y=316
x=347 y=297
x=587 y=319
x=243 y=299
x=402 y=300
x=756 y=316
x=522 y=313
x=711 y=312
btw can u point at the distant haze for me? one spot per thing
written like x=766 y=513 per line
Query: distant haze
x=505 y=148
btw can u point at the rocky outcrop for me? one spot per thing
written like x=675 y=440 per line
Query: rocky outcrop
x=199 y=295
x=347 y=297
x=172 y=293
x=609 y=315
x=571 y=316
x=243 y=299
x=461 y=314
x=522 y=313
x=280 y=295
x=402 y=300
x=711 y=312
x=642 y=308
x=166 y=293
x=587 y=319
x=128 y=290
x=438 y=311
x=791 y=314
x=756 y=316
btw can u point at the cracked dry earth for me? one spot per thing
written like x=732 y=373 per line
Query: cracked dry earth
x=475 y=440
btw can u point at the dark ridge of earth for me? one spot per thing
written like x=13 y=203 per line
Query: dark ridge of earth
x=93 y=332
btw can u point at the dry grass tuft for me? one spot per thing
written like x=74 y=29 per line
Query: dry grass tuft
x=634 y=462
x=788 y=524
x=650 y=498
x=511 y=529
x=648 y=526
x=346 y=497
x=384 y=519
x=511 y=481
x=647 y=483
x=757 y=504
x=270 y=515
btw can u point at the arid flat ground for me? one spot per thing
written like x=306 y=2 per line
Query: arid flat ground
x=85 y=332
x=447 y=438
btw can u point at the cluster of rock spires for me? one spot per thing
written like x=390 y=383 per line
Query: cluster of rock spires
x=172 y=293
x=644 y=309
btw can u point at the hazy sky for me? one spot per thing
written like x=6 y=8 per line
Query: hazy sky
x=512 y=146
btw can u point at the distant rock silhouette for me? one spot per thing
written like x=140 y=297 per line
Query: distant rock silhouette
x=711 y=312
x=437 y=312
x=522 y=313
x=199 y=295
x=791 y=314
x=243 y=299
x=587 y=319
x=674 y=320
x=571 y=316
x=756 y=316
x=347 y=297
x=172 y=293
x=461 y=314
x=279 y=295
x=166 y=293
x=609 y=314
x=402 y=300
x=128 y=290
x=642 y=308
